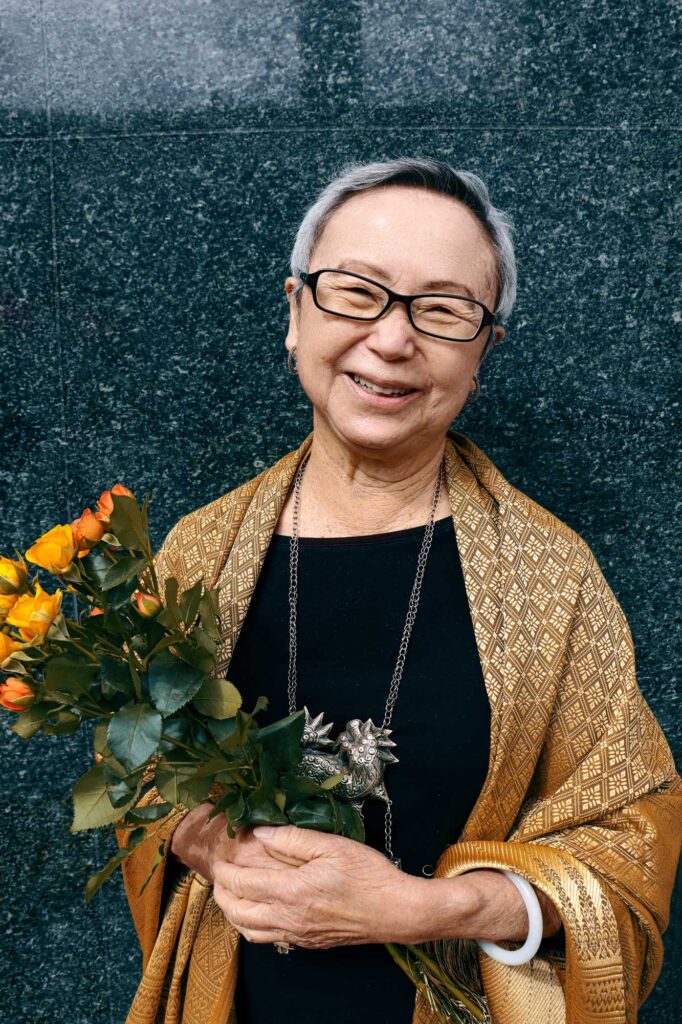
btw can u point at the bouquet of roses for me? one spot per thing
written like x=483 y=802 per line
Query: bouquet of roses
x=141 y=666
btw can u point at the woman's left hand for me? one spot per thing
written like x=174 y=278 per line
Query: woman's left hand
x=336 y=892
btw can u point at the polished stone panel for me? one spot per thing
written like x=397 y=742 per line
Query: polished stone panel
x=155 y=162
x=23 y=91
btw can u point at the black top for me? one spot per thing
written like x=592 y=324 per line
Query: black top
x=353 y=595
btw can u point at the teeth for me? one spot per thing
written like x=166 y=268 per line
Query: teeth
x=375 y=387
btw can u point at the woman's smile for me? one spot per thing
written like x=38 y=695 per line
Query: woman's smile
x=381 y=401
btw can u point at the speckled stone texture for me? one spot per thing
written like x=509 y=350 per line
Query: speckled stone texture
x=156 y=159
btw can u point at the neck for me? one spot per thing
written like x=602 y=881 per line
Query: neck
x=364 y=490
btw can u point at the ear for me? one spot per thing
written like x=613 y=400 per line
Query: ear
x=498 y=335
x=292 y=334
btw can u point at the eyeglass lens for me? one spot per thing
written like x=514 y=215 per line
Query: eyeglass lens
x=446 y=316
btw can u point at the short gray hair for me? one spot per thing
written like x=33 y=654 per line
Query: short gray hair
x=427 y=173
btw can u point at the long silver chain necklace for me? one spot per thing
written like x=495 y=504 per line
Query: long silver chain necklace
x=363 y=752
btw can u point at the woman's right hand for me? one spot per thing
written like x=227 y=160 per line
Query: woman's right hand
x=198 y=843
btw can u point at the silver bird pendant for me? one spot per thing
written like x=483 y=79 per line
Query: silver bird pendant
x=361 y=751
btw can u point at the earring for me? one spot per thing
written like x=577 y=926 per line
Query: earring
x=293 y=367
x=474 y=395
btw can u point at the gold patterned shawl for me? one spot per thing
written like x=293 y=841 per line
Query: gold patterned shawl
x=581 y=798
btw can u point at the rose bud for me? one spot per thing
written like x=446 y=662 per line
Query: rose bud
x=147 y=605
x=105 y=505
x=53 y=551
x=87 y=531
x=15 y=694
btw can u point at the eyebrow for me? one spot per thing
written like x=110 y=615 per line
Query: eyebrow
x=352 y=264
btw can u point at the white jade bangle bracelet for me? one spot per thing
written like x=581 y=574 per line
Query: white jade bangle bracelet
x=527 y=951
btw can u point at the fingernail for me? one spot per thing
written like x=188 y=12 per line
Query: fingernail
x=263 y=831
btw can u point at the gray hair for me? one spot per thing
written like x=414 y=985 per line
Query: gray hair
x=427 y=173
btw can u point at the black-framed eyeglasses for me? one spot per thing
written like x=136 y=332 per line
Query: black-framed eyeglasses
x=440 y=315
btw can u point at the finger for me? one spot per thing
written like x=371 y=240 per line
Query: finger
x=261 y=884
x=245 y=913
x=255 y=935
x=298 y=843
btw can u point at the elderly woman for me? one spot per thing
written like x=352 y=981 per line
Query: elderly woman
x=386 y=572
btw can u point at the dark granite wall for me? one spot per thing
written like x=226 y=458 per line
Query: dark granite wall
x=156 y=159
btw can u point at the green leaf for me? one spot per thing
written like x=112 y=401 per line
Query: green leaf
x=218 y=698
x=197 y=653
x=281 y=741
x=99 y=738
x=178 y=728
x=208 y=617
x=170 y=616
x=70 y=673
x=221 y=729
x=96 y=881
x=170 y=779
x=315 y=814
x=350 y=821
x=127 y=523
x=92 y=807
x=58 y=629
x=215 y=765
x=150 y=813
x=120 y=792
x=29 y=722
x=299 y=787
x=262 y=812
x=188 y=604
x=119 y=597
x=116 y=673
x=67 y=723
x=194 y=791
x=97 y=566
x=113 y=769
x=27 y=654
x=260 y=705
x=172 y=682
x=124 y=569
x=133 y=734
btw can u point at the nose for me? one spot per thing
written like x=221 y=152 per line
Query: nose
x=392 y=334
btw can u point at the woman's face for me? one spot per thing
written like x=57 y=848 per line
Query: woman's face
x=404 y=238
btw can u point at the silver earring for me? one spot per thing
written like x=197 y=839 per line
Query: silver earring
x=293 y=367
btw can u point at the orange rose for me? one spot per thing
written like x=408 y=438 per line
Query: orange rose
x=87 y=531
x=105 y=505
x=53 y=551
x=15 y=694
x=147 y=605
x=33 y=613
x=7 y=646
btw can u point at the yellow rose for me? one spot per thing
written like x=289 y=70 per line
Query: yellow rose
x=33 y=613
x=7 y=646
x=53 y=551
x=12 y=576
x=7 y=601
